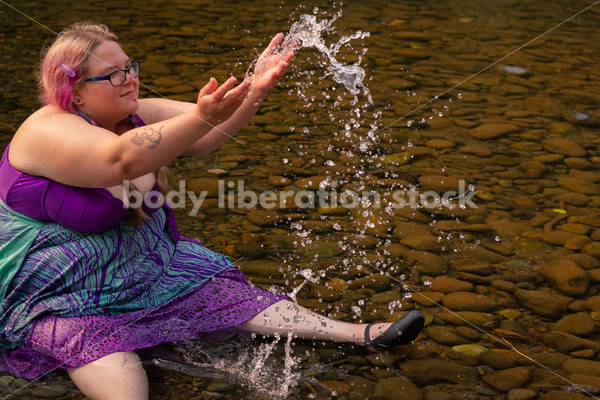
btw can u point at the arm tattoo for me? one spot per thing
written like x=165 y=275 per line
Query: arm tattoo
x=150 y=134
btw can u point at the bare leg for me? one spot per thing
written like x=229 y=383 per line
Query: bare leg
x=117 y=376
x=284 y=317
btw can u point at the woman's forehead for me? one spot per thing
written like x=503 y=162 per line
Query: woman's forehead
x=106 y=57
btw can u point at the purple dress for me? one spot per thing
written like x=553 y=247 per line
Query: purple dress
x=78 y=283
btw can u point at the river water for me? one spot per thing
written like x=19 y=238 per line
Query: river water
x=496 y=98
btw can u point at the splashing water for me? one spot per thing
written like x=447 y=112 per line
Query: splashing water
x=307 y=32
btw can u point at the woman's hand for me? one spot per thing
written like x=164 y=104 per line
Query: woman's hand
x=270 y=66
x=216 y=105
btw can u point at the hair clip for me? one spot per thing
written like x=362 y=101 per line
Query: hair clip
x=68 y=70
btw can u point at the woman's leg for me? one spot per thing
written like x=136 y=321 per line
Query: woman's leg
x=117 y=376
x=284 y=317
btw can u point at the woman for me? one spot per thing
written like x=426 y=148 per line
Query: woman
x=85 y=280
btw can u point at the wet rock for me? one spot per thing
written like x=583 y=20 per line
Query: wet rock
x=474 y=268
x=497 y=359
x=476 y=253
x=219 y=385
x=426 y=263
x=579 y=186
x=361 y=386
x=323 y=249
x=316 y=226
x=467 y=301
x=264 y=217
x=580 y=96
x=467 y=318
x=385 y=297
x=377 y=282
x=577 y=243
x=427 y=298
x=522 y=394
x=424 y=372
x=576 y=199
x=314 y=182
x=477 y=150
x=556 y=238
x=440 y=144
x=590 y=383
x=580 y=366
x=276 y=180
x=492 y=131
x=49 y=392
x=438 y=183
x=509 y=379
x=427 y=243
x=592 y=249
x=403 y=230
x=361 y=241
x=261 y=268
x=579 y=324
x=444 y=335
x=251 y=250
x=564 y=147
x=558 y=395
x=396 y=388
x=565 y=276
x=444 y=284
x=585 y=261
x=544 y=302
x=199 y=186
x=567 y=343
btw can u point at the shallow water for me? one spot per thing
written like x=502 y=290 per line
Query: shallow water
x=516 y=118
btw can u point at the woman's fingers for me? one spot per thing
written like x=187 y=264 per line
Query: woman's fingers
x=273 y=45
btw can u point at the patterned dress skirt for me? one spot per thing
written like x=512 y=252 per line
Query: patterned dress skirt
x=76 y=297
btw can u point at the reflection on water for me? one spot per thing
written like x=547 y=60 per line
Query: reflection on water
x=522 y=267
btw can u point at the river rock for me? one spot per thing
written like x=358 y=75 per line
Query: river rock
x=360 y=385
x=477 y=150
x=565 y=276
x=396 y=388
x=377 y=282
x=264 y=217
x=578 y=324
x=467 y=318
x=521 y=394
x=262 y=268
x=444 y=335
x=559 y=395
x=467 y=301
x=579 y=185
x=564 y=147
x=585 y=261
x=498 y=359
x=323 y=249
x=444 y=284
x=508 y=379
x=361 y=241
x=492 y=131
x=439 y=184
x=567 y=343
x=544 y=302
x=403 y=230
x=580 y=366
x=426 y=263
x=440 y=144
x=424 y=372
x=314 y=182
x=208 y=186
x=427 y=243
x=592 y=249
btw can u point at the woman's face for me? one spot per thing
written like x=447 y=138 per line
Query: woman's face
x=103 y=102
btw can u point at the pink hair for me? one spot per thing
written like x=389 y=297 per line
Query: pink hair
x=73 y=48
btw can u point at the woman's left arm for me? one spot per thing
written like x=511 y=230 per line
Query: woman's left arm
x=269 y=68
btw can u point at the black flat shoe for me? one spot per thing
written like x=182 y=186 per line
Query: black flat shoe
x=403 y=331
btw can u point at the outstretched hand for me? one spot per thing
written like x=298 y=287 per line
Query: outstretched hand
x=271 y=65
x=216 y=105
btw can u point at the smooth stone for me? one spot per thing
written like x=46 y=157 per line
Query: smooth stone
x=549 y=158
x=403 y=230
x=565 y=276
x=315 y=226
x=427 y=298
x=580 y=366
x=564 y=147
x=474 y=268
x=262 y=268
x=479 y=150
x=579 y=186
x=577 y=229
x=444 y=335
x=323 y=249
x=360 y=385
x=592 y=249
x=444 y=284
x=217 y=171
x=521 y=394
x=314 y=182
x=336 y=388
x=427 y=243
x=385 y=297
x=591 y=383
x=498 y=359
x=361 y=241
x=440 y=144
x=578 y=324
x=49 y=391
x=438 y=183
x=467 y=301
x=424 y=372
x=467 y=318
x=252 y=250
x=492 y=131
x=426 y=263
x=476 y=253
x=559 y=395
x=472 y=350
x=377 y=282
x=580 y=96
x=508 y=379
x=544 y=302
x=264 y=217
x=208 y=185
x=396 y=388
x=556 y=238
x=567 y=343
x=276 y=180
x=578 y=163
x=218 y=385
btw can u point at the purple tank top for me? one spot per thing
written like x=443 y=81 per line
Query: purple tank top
x=82 y=209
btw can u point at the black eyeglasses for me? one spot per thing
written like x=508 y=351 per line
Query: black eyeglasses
x=118 y=77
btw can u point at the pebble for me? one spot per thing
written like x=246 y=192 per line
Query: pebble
x=492 y=131
x=444 y=335
x=563 y=146
x=521 y=394
x=565 y=276
x=444 y=284
x=508 y=379
x=424 y=372
x=546 y=303
x=467 y=301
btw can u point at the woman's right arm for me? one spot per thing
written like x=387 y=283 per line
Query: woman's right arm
x=65 y=148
